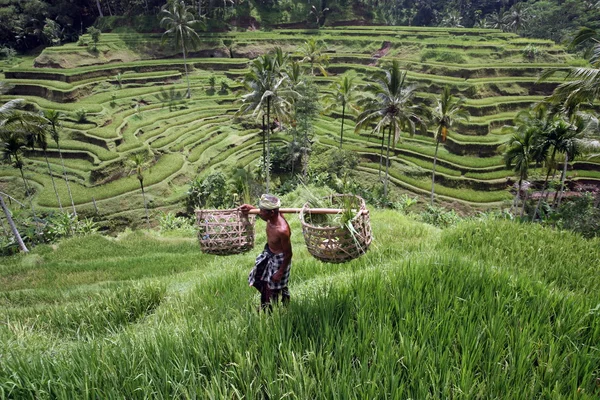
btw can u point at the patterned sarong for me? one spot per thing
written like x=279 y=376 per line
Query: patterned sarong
x=267 y=264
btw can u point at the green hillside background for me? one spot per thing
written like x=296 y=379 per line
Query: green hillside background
x=113 y=110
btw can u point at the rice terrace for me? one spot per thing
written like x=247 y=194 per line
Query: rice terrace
x=438 y=163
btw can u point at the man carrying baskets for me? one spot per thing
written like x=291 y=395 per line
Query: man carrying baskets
x=271 y=271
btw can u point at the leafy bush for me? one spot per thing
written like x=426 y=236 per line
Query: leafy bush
x=439 y=216
x=208 y=192
x=530 y=52
x=405 y=202
x=46 y=230
x=580 y=215
x=171 y=222
x=7 y=53
x=81 y=116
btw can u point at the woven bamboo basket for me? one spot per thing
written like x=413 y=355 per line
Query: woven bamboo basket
x=338 y=243
x=225 y=232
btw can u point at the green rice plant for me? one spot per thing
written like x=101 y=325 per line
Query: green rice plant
x=100 y=315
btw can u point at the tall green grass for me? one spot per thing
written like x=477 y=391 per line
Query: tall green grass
x=421 y=315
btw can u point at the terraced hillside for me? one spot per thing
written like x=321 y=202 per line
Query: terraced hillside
x=119 y=86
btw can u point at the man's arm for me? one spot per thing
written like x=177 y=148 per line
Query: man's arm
x=286 y=247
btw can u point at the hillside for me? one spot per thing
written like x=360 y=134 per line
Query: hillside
x=114 y=108
x=488 y=309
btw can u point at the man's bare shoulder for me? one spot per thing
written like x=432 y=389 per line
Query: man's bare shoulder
x=283 y=228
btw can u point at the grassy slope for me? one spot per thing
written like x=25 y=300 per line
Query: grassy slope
x=488 y=309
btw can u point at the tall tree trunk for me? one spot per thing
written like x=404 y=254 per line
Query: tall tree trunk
x=387 y=164
x=145 y=204
x=13 y=227
x=563 y=177
x=517 y=197
x=66 y=179
x=342 y=130
x=433 y=170
x=189 y=91
x=537 y=207
x=99 y=8
x=524 y=204
x=268 y=163
x=53 y=183
x=381 y=153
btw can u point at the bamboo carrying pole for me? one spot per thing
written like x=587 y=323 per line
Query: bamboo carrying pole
x=308 y=210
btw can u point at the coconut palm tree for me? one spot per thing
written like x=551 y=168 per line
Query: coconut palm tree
x=13 y=137
x=267 y=96
x=516 y=18
x=13 y=226
x=179 y=20
x=12 y=144
x=343 y=93
x=390 y=104
x=520 y=155
x=138 y=164
x=585 y=141
x=312 y=53
x=37 y=136
x=555 y=138
x=582 y=83
x=447 y=110
x=54 y=117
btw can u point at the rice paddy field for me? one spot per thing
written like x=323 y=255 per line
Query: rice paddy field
x=488 y=309
x=112 y=106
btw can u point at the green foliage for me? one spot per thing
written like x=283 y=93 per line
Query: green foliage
x=7 y=53
x=81 y=116
x=170 y=222
x=100 y=314
x=580 y=214
x=208 y=192
x=94 y=35
x=439 y=216
x=530 y=52
x=405 y=203
x=49 y=229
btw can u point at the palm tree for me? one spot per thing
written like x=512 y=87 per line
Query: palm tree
x=296 y=82
x=138 y=162
x=312 y=53
x=584 y=141
x=343 y=93
x=36 y=136
x=179 y=21
x=516 y=18
x=520 y=154
x=268 y=95
x=555 y=138
x=13 y=138
x=12 y=144
x=583 y=83
x=13 y=227
x=54 y=117
x=390 y=105
x=447 y=110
